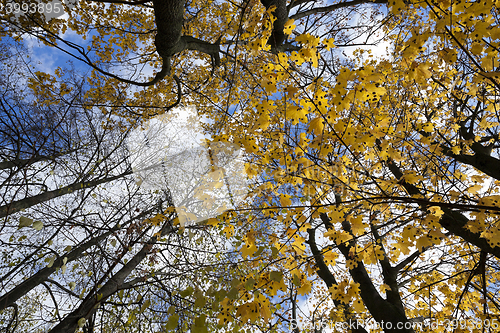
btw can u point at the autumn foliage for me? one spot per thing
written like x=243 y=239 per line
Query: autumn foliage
x=370 y=132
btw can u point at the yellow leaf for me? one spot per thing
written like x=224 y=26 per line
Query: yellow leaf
x=291 y=90
x=476 y=48
x=212 y=222
x=308 y=39
x=455 y=150
x=157 y=219
x=285 y=200
x=310 y=55
x=436 y=210
x=474 y=189
x=229 y=230
x=403 y=247
x=289 y=26
x=384 y=288
x=330 y=257
x=436 y=236
x=81 y=322
x=316 y=125
x=248 y=311
x=299 y=245
x=265 y=310
x=411 y=177
x=423 y=71
x=423 y=242
x=495 y=75
x=248 y=250
x=269 y=83
x=492 y=200
x=358 y=306
x=428 y=127
x=396 y=6
x=372 y=92
x=262 y=122
x=296 y=114
x=357 y=225
x=329 y=43
x=305 y=287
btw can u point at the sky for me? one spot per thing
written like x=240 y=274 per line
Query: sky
x=170 y=151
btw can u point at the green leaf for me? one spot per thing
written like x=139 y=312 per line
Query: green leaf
x=38 y=225
x=144 y=306
x=199 y=299
x=296 y=280
x=81 y=322
x=25 y=222
x=233 y=293
x=188 y=291
x=51 y=262
x=276 y=276
x=199 y=325
x=249 y=283
x=172 y=322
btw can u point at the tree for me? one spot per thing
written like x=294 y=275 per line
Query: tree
x=367 y=172
x=83 y=245
x=381 y=165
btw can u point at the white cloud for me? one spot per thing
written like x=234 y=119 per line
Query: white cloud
x=171 y=152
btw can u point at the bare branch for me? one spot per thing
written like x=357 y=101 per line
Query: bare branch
x=333 y=7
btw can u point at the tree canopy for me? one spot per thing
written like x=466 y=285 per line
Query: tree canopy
x=370 y=137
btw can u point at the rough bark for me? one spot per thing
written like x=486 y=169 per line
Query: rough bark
x=169 y=41
x=481 y=161
x=281 y=13
x=169 y=19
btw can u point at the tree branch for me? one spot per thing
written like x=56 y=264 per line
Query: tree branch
x=42 y=275
x=390 y=274
x=90 y=304
x=327 y=276
x=16 y=206
x=380 y=309
x=281 y=14
x=452 y=221
x=333 y=7
x=137 y=2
